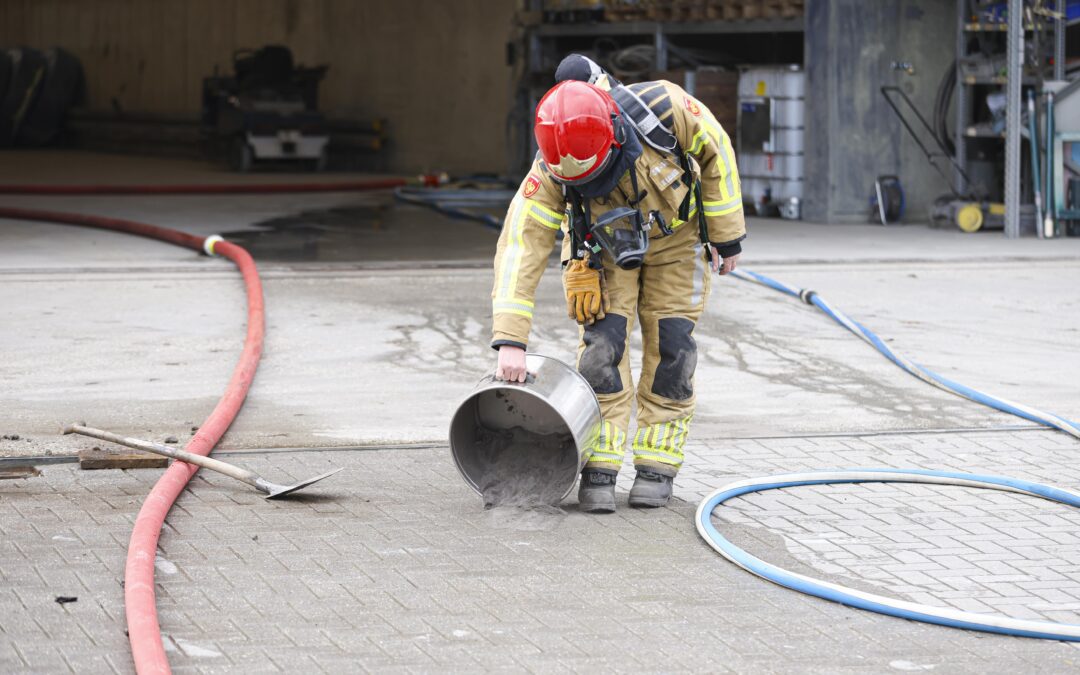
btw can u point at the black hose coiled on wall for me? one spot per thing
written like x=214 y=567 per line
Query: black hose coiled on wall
x=941 y=109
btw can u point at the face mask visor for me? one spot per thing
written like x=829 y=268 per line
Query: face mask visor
x=623 y=234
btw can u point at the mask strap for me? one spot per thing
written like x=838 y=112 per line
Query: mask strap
x=618 y=125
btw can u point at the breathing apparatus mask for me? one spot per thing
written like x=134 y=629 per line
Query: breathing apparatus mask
x=624 y=234
x=623 y=231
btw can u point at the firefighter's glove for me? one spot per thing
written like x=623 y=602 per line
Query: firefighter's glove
x=586 y=297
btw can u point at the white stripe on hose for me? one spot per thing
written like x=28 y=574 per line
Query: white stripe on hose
x=208 y=243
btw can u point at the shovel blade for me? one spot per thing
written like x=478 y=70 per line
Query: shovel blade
x=278 y=491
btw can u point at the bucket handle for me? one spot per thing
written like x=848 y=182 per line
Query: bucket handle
x=529 y=379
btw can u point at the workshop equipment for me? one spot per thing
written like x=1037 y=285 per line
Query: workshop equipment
x=1033 y=132
x=1062 y=157
x=61 y=87
x=268 y=109
x=970 y=212
x=887 y=202
x=525 y=443
x=22 y=70
x=272 y=490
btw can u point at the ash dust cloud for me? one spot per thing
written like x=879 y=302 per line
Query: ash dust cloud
x=525 y=477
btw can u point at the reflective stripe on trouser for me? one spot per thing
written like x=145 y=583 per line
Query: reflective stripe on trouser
x=609 y=449
x=662 y=443
x=667 y=293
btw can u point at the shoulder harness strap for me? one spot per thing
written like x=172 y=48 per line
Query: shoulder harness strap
x=658 y=135
x=645 y=121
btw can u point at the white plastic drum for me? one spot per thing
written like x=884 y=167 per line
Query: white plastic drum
x=771 y=162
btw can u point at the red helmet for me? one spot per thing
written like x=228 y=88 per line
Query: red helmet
x=576 y=126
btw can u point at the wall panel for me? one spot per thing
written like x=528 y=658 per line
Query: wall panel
x=434 y=69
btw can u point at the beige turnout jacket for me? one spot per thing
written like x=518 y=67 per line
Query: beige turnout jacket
x=539 y=210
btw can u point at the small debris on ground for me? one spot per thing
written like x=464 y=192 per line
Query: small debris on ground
x=172 y=439
x=65 y=599
x=11 y=437
x=12 y=472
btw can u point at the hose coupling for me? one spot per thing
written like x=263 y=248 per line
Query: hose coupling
x=208 y=243
x=807 y=295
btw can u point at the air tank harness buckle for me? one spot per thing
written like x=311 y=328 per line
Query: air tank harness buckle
x=656 y=218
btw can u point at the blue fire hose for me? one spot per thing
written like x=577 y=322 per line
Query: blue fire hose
x=456 y=202
x=924 y=374
x=870 y=601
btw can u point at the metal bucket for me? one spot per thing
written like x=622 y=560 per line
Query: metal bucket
x=526 y=443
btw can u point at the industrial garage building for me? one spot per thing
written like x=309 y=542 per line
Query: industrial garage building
x=539 y=336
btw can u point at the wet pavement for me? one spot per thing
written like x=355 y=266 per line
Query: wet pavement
x=378 y=319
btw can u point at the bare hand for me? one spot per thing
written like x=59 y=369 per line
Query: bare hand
x=724 y=266
x=511 y=366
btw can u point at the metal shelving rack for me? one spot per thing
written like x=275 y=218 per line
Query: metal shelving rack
x=660 y=31
x=1014 y=81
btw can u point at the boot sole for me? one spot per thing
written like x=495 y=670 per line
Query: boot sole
x=643 y=503
x=598 y=508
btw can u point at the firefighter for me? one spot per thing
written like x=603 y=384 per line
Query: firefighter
x=643 y=183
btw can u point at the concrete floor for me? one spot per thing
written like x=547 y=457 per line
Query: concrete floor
x=377 y=326
x=379 y=311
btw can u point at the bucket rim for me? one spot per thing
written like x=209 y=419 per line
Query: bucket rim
x=481 y=388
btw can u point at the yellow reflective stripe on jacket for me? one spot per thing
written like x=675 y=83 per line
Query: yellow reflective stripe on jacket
x=512 y=306
x=546 y=216
x=515 y=249
x=698 y=142
x=724 y=207
x=724 y=159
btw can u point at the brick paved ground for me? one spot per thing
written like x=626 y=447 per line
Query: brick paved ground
x=393 y=566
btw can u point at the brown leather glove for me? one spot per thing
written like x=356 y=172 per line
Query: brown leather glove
x=586 y=295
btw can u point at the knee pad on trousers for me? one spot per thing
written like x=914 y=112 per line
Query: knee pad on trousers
x=605 y=344
x=678 y=359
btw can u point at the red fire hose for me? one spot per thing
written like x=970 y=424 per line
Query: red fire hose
x=141 y=610
x=213 y=189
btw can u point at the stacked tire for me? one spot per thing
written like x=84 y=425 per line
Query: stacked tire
x=36 y=90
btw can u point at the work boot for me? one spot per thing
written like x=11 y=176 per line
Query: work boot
x=650 y=489
x=596 y=493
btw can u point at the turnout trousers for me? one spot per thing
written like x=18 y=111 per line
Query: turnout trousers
x=666 y=295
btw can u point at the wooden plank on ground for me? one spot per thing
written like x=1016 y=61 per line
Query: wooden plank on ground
x=100 y=458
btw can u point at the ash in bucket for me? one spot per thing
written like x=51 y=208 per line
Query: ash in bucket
x=523 y=468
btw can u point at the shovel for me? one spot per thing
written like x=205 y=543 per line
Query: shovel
x=272 y=490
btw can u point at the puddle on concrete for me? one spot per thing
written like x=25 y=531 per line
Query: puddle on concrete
x=365 y=232
x=335 y=234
